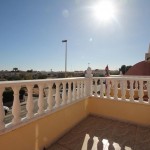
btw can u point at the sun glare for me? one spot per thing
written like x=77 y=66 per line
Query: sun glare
x=104 y=11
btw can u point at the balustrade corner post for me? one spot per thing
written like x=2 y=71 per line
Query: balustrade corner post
x=88 y=85
x=2 y=114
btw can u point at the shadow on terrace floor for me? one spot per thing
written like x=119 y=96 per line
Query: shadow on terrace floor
x=109 y=135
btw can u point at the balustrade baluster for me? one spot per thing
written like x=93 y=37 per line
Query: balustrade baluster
x=81 y=89
x=116 y=90
x=74 y=90
x=108 y=88
x=16 y=109
x=84 y=88
x=95 y=88
x=78 y=89
x=41 y=99
x=50 y=97
x=57 y=97
x=64 y=93
x=2 y=114
x=101 y=88
x=148 y=91
x=30 y=103
x=90 y=87
x=131 y=90
x=69 y=92
x=140 y=92
x=123 y=89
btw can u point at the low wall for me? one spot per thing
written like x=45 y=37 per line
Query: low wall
x=120 y=110
x=42 y=132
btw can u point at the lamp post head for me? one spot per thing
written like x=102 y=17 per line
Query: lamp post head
x=64 y=40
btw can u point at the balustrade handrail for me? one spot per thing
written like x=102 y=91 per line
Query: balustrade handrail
x=19 y=82
x=144 y=78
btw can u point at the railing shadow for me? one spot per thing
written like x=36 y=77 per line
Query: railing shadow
x=101 y=144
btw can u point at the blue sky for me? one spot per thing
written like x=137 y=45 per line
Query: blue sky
x=31 y=32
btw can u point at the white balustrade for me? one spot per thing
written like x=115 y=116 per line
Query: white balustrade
x=82 y=89
x=95 y=87
x=50 y=97
x=140 y=92
x=101 y=88
x=74 y=90
x=69 y=92
x=78 y=88
x=2 y=115
x=64 y=94
x=148 y=91
x=131 y=91
x=30 y=103
x=41 y=99
x=123 y=89
x=116 y=89
x=57 y=95
x=16 y=110
x=108 y=88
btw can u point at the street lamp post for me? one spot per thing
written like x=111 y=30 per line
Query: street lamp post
x=65 y=41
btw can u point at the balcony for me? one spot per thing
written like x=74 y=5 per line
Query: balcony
x=114 y=102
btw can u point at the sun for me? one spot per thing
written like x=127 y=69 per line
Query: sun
x=104 y=11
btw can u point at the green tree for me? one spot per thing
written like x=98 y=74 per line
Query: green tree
x=123 y=69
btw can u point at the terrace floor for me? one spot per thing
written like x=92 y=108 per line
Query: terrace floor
x=109 y=135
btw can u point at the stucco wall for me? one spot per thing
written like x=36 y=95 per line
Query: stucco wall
x=126 y=111
x=44 y=131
